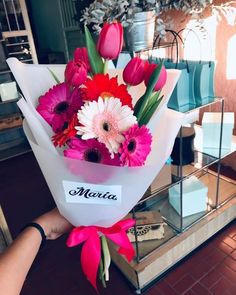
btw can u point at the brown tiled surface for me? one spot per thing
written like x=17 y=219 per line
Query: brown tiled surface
x=211 y=269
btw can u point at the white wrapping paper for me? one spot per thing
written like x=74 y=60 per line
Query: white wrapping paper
x=120 y=188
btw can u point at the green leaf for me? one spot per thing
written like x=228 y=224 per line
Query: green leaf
x=101 y=273
x=149 y=112
x=138 y=105
x=147 y=95
x=94 y=58
x=54 y=76
x=154 y=97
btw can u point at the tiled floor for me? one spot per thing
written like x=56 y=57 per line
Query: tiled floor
x=209 y=270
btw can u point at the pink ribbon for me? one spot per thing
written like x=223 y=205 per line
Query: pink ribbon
x=91 y=250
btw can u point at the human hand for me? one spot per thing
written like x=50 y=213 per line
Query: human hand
x=53 y=224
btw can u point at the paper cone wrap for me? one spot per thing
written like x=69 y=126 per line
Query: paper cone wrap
x=88 y=193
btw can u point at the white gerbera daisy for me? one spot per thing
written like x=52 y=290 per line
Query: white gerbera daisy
x=105 y=120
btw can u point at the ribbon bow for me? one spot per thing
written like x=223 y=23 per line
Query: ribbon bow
x=91 y=250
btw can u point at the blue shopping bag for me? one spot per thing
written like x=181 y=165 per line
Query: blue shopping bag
x=182 y=98
x=204 y=82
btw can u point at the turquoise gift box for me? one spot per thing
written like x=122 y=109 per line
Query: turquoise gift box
x=194 y=197
x=211 y=123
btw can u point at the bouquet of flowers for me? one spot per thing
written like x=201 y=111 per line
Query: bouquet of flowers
x=98 y=150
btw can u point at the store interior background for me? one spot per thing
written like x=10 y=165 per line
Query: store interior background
x=57 y=34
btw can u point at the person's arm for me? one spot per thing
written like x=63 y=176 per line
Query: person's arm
x=16 y=261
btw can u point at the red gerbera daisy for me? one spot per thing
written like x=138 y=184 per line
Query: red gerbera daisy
x=61 y=138
x=103 y=86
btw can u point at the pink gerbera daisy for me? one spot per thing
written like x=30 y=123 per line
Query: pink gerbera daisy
x=105 y=120
x=136 y=146
x=58 y=105
x=90 y=150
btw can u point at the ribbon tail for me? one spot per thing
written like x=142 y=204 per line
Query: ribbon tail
x=122 y=240
x=125 y=224
x=77 y=236
x=90 y=258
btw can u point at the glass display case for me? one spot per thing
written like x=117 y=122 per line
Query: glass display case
x=168 y=219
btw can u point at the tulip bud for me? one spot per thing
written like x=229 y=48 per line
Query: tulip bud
x=134 y=72
x=161 y=80
x=81 y=54
x=110 y=41
x=75 y=73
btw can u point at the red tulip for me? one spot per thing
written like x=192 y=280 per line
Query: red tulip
x=162 y=78
x=76 y=73
x=81 y=54
x=110 y=40
x=134 y=71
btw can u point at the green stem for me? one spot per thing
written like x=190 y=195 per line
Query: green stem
x=101 y=273
x=105 y=66
x=106 y=257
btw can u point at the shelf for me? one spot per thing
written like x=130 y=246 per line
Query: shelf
x=160 y=202
x=227 y=187
x=213 y=152
x=7 y=130
x=5 y=72
x=193 y=107
x=10 y=100
x=26 y=60
x=147 y=247
x=21 y=148
x=17 y=53
x=13 y=34
x=17 y=44
x=201 y=162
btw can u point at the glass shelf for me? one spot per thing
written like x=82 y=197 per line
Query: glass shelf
x=145 y=248
x=211 y=152
x=160 y=202
x=194 y=192
x=10 y=100
x=204 y=103
x=201 y=162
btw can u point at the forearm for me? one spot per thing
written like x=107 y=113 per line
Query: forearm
x=16 y=261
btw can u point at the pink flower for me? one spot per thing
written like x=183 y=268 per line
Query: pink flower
x=134 y=71
x=81 y=54
x=110 y=40
x=105 y=120
x=58 y=105
x=76 y=101
x=90 y=150
x=162 y=78
x=136 y=147
x=76 y=73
